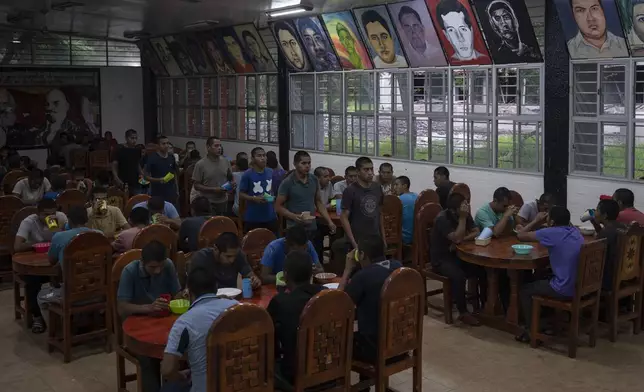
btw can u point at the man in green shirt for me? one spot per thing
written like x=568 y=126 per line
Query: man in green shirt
x=498 y=214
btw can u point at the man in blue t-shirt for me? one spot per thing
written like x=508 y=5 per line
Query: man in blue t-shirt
x=564 y=243
x=255 y=183
x=275 y=253
x=158 y=166
x=408 y=200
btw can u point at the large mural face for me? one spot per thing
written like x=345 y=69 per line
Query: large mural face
x=346 y=40
x=289 y=43
x=317 y=44
x=150 y=59
x=632 y=12
x=381 y=37
x=215 y=55
x=165 y=56
x=196 y=53
x=181 y=56
x=228 y=41
x=255 y=48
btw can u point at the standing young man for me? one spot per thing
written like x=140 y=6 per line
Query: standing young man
x=386 y=178
x=158 y=166
x=126 y=167
x=300 y=193
x=210 y=173
x=408 y=200
x=254 y=183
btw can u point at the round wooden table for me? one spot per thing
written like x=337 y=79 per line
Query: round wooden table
x=147 y=336
x=335 y=218
x=32 y=263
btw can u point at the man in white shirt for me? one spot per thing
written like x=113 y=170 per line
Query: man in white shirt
x=593 y=39
x=382 y=42
x=31 y=189
x=350 y=176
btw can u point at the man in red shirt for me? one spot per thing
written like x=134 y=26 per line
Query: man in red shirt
x=627 y=213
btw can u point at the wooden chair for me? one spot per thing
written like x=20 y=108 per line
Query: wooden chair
x=86 y=271
x=10 y=179
x=122 y=353
x=463 y=189
x=241 y=339
x=8 y=206
x=516 y=199
x=157 y=232
x=70 y=198
x=400 y=329
x=134 y=200
x=213 y=228
x=79 y=158
x=99 y=160
x=392 y=217
x=324 y=342
x=18 y=282
x=424 y=197
x=626 y=280
x=587 y=295
x=239 y=220
x=336 y=179
x=187 y=187
x=253 y=246
x=117 y=197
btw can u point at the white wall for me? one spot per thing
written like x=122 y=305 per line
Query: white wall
x=584 y=192
x=122 y=101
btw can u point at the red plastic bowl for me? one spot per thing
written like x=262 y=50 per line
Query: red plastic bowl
x=42 y=247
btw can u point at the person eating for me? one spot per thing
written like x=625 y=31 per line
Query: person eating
x=534 y=210
x=350 y=176
x=275 y=253
x=139 y=219
x=32 y=189
x=200 y=210
x=108 y=219
x=498 y=215
x=627 y=212
x=162 y=212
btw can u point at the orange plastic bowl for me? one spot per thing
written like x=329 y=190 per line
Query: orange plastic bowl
x=42 y=247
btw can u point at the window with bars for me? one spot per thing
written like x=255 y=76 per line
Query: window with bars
x=303 y=111
x=360 y=106
x=330 y=110
x=393 y=114
x=429 y=116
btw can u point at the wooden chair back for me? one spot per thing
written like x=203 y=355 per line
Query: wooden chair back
x=240 y=216
x=70 y=198
x=423 y=222
x=463 y=189
x=241 y=350
x=427 y=196
x=117 y=197
x=402 y=308
x=134 y=200
x=99 y=160
x=79 y=159
x=630 y=256
x=17 y=219
x=516 y=199
x=157 y=232
x=253 y=245
x=591 y=269
x=9 y=205
x=86 y=269
x=10 y=179
x=392 y=217
x=336 y=179
x=324 y=341
x=117 y=270
x=213 y=228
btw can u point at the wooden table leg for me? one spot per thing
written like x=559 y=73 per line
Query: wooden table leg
x=493 y=305
x=512 y=315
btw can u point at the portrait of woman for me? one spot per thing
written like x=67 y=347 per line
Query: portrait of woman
x=289 y=43
x=255 y=48
x=346 y=40
x=215 y=56
x=227 y=39
x=196 y=54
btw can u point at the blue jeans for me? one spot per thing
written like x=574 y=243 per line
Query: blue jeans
x=176 y=386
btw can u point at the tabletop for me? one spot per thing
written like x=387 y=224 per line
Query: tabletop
x=148 y=336
x=335 y=218
x=499 y=254
x=32 y=263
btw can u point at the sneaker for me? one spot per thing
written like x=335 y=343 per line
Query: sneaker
x=467 y=318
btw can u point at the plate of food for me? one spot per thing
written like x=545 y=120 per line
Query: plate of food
x=332 y=286
x=228 y=292
x=586 y=230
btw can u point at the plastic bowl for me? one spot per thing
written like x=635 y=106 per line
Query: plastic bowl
x=42 y=247
x=279 y=279
x=269 y=198
x=325 y=277
x=179 y=306
x=522 y=249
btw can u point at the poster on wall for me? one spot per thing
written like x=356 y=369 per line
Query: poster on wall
x=289 y=43
x=149 y=58
x=37 y=107
x=196 y=54
x=459 y=32
x=417 y=33
x=592 y=28
x=216 y=57
x=165 y=56
x=508 y=29
x=346 y=40
x=381 y=38
x=228 y=41
x=255 y=48
x=317 y=44
x=632 y=12
x=181 y=56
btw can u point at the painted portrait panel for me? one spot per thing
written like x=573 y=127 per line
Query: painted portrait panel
x=291 y=46
x=216 y=56
x=196 y=53
x=228 y=41
x=592 y=28
x=380 y=36
x=459 y=32
x=346 y=40
x=150 y=59
x=508 y=30
x=317 y=44
x=165 y=56
x=255 y=48
x=180 y=54
x=417 y=34
x=632 y=13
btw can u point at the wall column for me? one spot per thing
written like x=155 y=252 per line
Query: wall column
x=283 y=121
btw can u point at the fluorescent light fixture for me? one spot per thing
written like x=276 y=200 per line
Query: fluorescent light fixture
x=294 y=9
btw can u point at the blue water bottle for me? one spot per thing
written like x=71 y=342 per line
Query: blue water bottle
x=247 y=288
x=338 y=207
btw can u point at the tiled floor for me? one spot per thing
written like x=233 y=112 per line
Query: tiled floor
x=455 y=359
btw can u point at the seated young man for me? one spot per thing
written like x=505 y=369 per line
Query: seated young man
x=140 y=288
x=189 y=334
x=103 y=217
x=497 y=215
x=275 y=253
x=32 y=189
x=627 y=211
x=536 y=210
x=229 y=261
x=365 y=288
x=350 y=176
x=286 y=308
x=451 y=227
x=607 y=226
x=564 y=243
x=139 y=219
x=408 y=200
x=162 y=212
x=190 y=227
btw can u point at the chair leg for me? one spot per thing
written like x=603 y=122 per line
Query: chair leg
x=120 y=372
x=16 y=298
x=426 y=300
x=108 y=330
x=574 y=333
x=67 y=338
x=613 y=312
x=534 y=327
x=447 y=303
x=637 y=323
x=417 y=373
x=592 y=335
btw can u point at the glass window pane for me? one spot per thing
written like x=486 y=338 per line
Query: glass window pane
x=613 y=89
x=429 y=140
x=251 y=91
x=360 y=92
x=179 y=122
x=179 y=92
x=614 y=150
x=471 y=91
x=329 y=93
x=360 y=136
x=166 y=92
x=639 y=90
x=507 y=91
x=471 y=142
x=638 y=163
x=585 y=89
x=518 y=145
x=585 y=147
x=194 y=91
x=530 y=94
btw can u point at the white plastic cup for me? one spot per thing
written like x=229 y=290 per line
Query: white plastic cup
x=587 y=215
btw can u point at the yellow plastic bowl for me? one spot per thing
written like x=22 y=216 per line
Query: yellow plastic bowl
x=179 y=306
x=279 y=279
